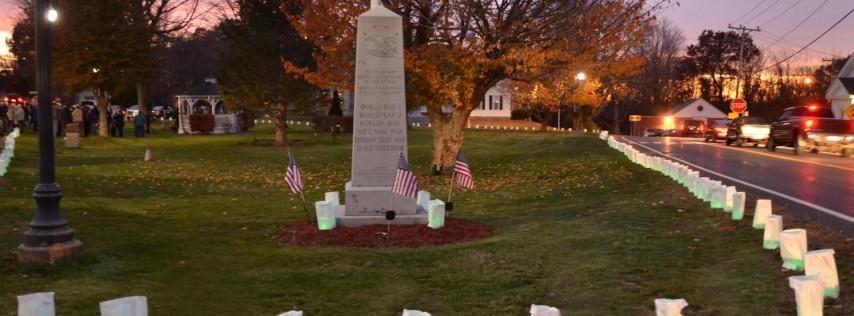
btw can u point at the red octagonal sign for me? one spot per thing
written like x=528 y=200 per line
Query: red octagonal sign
x=738 y=105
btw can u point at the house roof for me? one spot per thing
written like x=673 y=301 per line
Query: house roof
x=848 y=83
x=205 y=88
x=683 y=105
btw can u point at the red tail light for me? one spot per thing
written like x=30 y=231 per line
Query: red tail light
x=809 y=125
x=812 y=108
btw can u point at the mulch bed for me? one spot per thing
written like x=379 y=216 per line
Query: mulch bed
x=305 y=233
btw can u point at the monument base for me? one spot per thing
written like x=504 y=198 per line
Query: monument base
x=375 y=201
x=344 y=220
x=49 y=254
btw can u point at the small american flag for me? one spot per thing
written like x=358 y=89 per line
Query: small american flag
x=292 y=176
x=404 y=180
x=462 y=172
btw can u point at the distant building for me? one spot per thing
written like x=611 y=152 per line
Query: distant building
x=498 y=101
x=841 y=91
x=693 y=109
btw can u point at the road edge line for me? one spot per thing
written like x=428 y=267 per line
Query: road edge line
x=790 y=198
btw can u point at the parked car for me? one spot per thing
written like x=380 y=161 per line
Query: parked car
x=693 y=128
x=672 y=132
x=717 y=130
x=750 y=129
x=812 y=128
x=131 y=112
x=653 y=132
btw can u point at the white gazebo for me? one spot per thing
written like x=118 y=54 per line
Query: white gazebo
x=841 y=91
x=204 y=98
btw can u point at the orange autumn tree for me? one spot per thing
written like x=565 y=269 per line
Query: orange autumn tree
x=455 y=50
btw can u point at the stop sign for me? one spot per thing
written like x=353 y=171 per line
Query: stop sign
x=738 y=105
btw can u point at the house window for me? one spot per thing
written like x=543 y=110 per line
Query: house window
x=501 y=103
x=490 y=102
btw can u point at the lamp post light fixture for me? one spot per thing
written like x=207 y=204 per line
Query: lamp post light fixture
x=52 y=15
x=95 y=70
x=581 y=76
x=49 y=239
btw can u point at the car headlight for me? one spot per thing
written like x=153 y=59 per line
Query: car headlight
x=833 y=138
x=849 y=138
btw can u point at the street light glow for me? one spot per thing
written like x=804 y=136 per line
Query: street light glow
x=808 y=80
x=95 y=70
x=52 y=15
x=581 y=76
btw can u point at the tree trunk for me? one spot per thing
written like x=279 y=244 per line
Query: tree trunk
x=448 y=136
x=103 y=102
x=280 y=115
x=144 y=109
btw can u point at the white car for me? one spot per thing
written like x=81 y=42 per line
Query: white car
x=132 y=111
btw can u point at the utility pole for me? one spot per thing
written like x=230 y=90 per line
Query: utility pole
x=744 y=31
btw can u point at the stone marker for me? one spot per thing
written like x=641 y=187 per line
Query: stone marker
x=820 y=263
x=379 y=123
x=36 y=304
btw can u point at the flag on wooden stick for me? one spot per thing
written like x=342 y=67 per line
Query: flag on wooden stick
x=292 y=176
x=462 y=172
x=404 y=180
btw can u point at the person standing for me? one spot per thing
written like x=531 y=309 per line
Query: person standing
x=56 y=106
x=65 y=117
x=118 y=124
x=19 y=116
x=139 y=125
x=34 y=114
x=4 y=118
x=92 y=117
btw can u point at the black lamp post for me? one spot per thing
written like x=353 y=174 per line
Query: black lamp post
x=49 y=238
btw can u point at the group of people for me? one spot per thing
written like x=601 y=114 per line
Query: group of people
x=83 y=119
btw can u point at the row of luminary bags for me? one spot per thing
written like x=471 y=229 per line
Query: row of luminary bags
x=820 y=279
x=8 y=151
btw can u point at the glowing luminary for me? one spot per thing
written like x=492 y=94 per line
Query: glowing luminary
x=730 y=192
x=669 y=307
x=436 y=214
x=773 y=227
x=809 y=294
x=763 y=210
x=36 y=304
x=821 y=264
x=126 y=306
x=543 y=310
x=325 y=215
x=738 y=200
x=793 y=247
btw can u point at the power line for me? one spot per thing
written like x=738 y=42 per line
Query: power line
x=799 y=24
x=796 y=3
x=748 y=12
x=810 y=43
x=762 y=12
x=771 y=37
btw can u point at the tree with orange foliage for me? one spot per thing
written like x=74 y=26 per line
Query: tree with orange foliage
x=457 y=49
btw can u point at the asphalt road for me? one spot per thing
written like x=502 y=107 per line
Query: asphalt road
x=815 y=187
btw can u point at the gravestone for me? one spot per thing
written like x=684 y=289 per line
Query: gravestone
x=379 y=123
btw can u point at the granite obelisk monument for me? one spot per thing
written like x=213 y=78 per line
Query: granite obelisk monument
x=379 y=123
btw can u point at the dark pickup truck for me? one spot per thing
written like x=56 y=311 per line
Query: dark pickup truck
x=812 y=128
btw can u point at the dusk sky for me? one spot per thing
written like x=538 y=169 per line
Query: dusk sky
x=776 y=18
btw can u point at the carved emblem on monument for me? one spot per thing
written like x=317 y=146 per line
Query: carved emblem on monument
x=383 y=47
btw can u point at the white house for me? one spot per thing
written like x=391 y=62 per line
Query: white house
x=697 y=109
x=498 y=101
x=841 y=91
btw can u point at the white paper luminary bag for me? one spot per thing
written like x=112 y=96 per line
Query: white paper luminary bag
x=793 y=247
x=36 y=304
x=809 y=295
x=821 y=264
x=773 y=227
x=669 y=307
x=543 y=310
x=126 y=306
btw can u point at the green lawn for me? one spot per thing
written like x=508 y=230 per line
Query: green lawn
x=577 y=226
